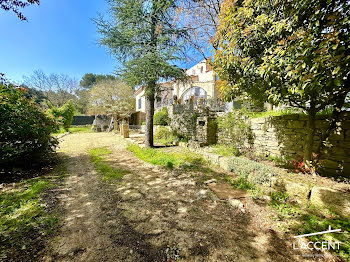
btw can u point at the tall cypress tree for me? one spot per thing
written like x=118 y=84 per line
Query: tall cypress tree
x=146 y=37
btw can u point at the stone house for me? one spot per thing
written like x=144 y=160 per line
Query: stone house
x=201 y=86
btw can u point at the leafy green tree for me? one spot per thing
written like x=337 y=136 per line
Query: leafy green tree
x=64 y=114
x=292 y=52
x=82 y=102
x=145 y=36
x=14 y=5
x=112 y=97
x=89 y=79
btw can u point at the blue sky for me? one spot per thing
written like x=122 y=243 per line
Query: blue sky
x=59 y=37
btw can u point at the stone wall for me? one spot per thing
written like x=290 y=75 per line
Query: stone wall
x=196 y=124
x=285 y=135
x=184 y=123
x=101 y=123
x=206 y=130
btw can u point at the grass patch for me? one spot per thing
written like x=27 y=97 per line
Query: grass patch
x=285 y=210
x=309 y=219
x=98 y=156
x=74 y=130
x=272 y=113
x=24 y=216
x=245 y=184
x=225 y=150
x=185 y=160
x=59 y=132
x=165 y=141
x=284 y=112
x=313 y=221
x=80 y=129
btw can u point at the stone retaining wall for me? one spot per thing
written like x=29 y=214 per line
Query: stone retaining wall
x=285 y=135
x=323 y=197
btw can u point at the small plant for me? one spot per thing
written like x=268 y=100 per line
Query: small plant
x=243 y=183
x=300 y=166
x=278 y=198
x=309 y=219
x=313 y=221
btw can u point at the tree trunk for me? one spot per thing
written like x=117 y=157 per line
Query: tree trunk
x=149 y=120
x=309 y=141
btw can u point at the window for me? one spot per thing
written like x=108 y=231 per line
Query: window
x=201 y=69
x=195 y=92
x=140 y=103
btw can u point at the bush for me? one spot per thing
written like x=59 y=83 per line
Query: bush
x=25 y=131
x=233 y=131
x=257 y=173
x=161 y=117
x=64 y=114
x=164 y=135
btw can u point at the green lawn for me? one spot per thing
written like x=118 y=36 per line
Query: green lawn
x=74 y=130
x=80 y=129
x=184 y=159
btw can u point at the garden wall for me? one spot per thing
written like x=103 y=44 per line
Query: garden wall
x=284 y=136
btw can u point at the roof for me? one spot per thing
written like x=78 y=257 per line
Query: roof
x=139 y=90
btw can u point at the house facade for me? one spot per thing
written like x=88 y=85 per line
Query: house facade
x=139 y=116
x=200 y=86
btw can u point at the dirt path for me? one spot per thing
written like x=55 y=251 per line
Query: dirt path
x=153 y=215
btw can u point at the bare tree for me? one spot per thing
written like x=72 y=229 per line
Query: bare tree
x=58 y=88
x=201 y=17
x=112 y=97
x=15 y=5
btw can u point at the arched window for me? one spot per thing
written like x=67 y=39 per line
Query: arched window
x=196 y=92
